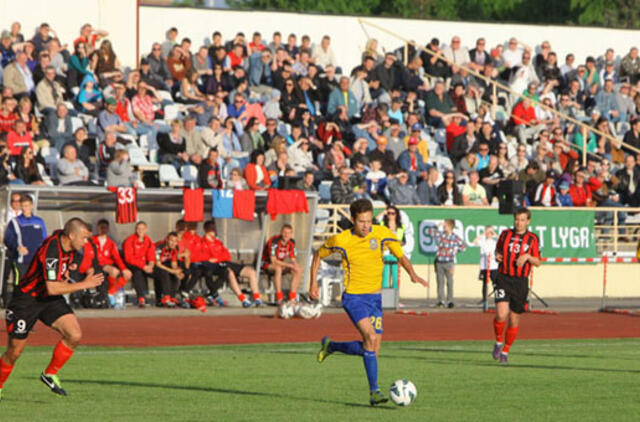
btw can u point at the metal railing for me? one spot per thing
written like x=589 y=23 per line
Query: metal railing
x=495 y=85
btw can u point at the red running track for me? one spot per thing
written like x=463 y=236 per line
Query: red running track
x=205 y=330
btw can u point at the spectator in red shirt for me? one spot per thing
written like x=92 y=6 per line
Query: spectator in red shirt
x=7 y=115
x=580 y=192
x=525 y=121
x=89 y=36
x=140 y=257
x=109 y=258
x=256 y=45
x=453 y=127
x=19 y=138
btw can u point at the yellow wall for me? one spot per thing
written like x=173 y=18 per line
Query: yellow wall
x=551 y=280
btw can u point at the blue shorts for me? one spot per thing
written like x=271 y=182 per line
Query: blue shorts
x=362 y=306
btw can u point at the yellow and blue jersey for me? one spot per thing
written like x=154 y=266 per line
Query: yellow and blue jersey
x=362 y=257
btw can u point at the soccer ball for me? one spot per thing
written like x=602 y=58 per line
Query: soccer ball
x=286 y=311
x=403 y=392
x=310 y=311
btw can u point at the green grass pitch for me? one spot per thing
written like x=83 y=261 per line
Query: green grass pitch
x=561 y=380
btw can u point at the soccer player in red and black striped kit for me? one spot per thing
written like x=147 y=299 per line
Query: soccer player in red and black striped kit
x=517 y=251
x=38 y=296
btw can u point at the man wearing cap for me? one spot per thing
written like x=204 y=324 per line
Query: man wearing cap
x=607 y=104
x=563 y=197
x=386 y=157
x=412 y=162
x=108 y=119
x=149 y=77
x=546 y=191
x=423 y=146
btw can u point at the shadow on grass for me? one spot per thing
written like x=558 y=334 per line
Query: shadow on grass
x=488 y=352
x=511 y=365
x=219 y=390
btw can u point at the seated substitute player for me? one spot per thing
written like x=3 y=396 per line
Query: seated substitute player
x=38 y=296
x=109 y=258
x=516 y=251
x=167 y=274
x=362 y=251
x=140 y=257
x=204 y=262
x=279 y=257
x=219 y=256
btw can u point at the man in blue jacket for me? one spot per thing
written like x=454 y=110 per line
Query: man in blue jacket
x=343 y=96
x=411 y=161
x=23 y=236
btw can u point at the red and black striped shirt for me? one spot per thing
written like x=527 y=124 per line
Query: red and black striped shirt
x=511 y=246
x=127 y=206
x=50 y=263
x=277 y=247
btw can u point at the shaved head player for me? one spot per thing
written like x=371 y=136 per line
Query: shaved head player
x=517 y=251
x=362 y=249
x=38 y=296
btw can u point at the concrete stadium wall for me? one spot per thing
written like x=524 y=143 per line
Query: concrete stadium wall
x=550 y=280
x=67 y=16
x=349 y=38
x=119 y=18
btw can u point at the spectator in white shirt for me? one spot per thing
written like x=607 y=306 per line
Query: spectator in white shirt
x=488 y=264
x=323 y=53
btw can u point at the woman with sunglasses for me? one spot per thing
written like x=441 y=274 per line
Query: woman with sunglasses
x=448 y=190
x=290 y=99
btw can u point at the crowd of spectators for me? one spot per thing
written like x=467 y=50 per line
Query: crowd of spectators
x=242 y=112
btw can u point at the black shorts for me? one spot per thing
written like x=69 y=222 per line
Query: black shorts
x=24 y=311
x=492 y=275
x=513 y=290
x=235 y=267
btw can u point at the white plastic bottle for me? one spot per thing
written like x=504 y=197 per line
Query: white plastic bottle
x=120 y=299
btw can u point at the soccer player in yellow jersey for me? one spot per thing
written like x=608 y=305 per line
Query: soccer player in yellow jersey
x=362 y=250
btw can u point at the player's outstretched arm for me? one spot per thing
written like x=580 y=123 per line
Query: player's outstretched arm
x=313 y=277
x=415 y=278
x=56 y=288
